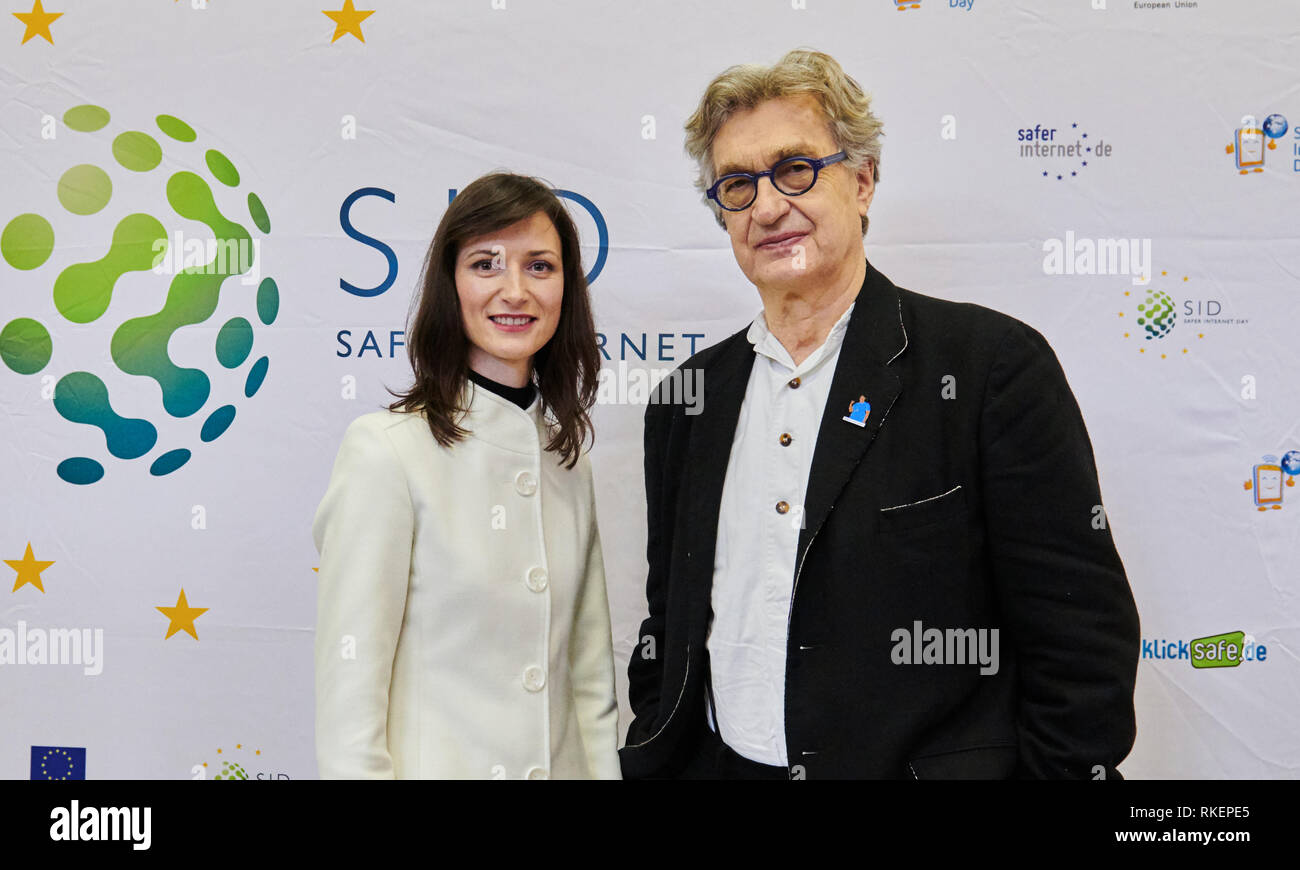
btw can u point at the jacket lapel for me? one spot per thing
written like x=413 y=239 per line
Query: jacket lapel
x=875 y=336
x=708 y=452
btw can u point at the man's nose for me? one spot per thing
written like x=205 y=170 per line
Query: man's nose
x=770 y=204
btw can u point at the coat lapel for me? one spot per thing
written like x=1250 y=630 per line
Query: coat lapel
x=708 y=452
x=875 y=336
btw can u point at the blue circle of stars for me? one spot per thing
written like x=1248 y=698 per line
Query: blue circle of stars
x=1083 y=163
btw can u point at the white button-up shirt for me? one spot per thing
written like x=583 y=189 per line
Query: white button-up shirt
x=758 y=537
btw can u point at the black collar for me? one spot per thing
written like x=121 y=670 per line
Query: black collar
x=521 y=396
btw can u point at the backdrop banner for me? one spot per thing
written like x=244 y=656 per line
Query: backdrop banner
x=213 y=217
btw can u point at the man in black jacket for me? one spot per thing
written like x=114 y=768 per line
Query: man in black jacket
x=880 y=550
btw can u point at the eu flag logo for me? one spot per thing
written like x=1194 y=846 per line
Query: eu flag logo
x=58 y=762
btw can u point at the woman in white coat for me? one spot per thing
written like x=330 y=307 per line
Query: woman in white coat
x=463 y=628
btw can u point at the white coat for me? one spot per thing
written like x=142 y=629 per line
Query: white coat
x=463 y=628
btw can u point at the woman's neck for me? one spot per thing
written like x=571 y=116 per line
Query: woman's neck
x=521 y=396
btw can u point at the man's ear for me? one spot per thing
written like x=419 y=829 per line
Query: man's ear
x=866 y=186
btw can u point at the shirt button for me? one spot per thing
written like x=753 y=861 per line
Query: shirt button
x=525 y=483
x=786 y=439
x=534 y=678
x=782 y=507
x=537 y=773
x=536 y=578
x=794 y=384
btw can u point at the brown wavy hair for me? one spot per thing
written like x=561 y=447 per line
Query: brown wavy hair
x=564 y=370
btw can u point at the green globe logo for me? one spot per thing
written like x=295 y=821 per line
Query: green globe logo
x=1157 y=314
x=231 y=770
x=82 y=293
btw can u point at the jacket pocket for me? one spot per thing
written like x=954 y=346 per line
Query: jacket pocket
x=996 y=761
x=680 y=695
x=924 y=512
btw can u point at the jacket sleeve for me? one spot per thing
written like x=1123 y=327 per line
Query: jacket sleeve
x=591 y=657
x=1059 y=582
x=363 y=531
x=645 y=668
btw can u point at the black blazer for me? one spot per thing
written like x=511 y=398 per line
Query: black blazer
x=969 y=500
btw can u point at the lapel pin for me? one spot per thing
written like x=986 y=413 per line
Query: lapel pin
x=858 y=412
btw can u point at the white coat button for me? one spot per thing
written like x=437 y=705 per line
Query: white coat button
x=537 y=773
x=525 y=483
x=534 y=678
x=536 y=579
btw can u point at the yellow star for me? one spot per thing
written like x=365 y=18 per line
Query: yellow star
x=348 y=20
x=37 y=22
x=182 y=616
x=29 y=569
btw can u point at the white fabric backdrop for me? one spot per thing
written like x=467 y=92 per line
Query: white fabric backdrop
x=591 y=97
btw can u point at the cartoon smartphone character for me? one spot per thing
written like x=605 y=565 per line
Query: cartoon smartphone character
x=1248 y=146
x=1268 y=486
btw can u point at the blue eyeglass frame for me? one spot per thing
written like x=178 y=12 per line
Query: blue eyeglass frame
x=818 y=164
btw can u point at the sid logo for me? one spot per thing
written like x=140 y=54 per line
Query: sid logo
x=127 y=183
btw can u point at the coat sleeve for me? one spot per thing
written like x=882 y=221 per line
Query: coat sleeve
x=1059 y=582
x=363 y=531
x=591 y=655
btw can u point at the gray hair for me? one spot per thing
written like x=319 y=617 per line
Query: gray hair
x=847 y=108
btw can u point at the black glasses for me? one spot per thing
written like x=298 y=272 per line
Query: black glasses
x=792 y=176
